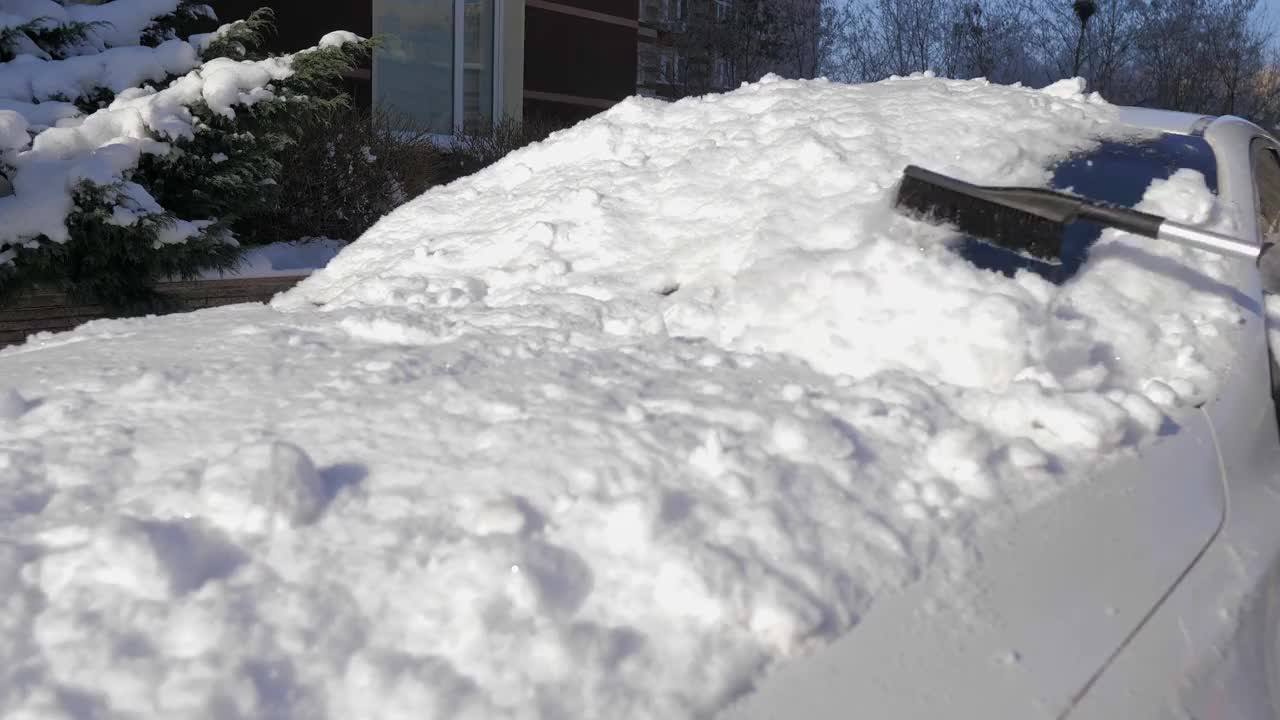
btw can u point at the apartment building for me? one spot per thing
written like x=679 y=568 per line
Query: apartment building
x=675 y=56
x=580 y=56
x=693 y=47
x=447 y=62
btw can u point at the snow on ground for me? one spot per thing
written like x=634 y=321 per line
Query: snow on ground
x=282 y=259
x=604 y=431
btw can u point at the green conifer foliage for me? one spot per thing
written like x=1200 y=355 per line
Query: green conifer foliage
x=226 y=171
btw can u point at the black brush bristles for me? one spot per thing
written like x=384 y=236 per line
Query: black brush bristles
x=991 y=215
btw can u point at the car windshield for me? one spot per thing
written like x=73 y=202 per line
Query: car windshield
x=1116 y=171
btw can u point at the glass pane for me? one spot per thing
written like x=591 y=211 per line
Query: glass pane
x=477 y=100
x=413 y=69
x=1116 y=171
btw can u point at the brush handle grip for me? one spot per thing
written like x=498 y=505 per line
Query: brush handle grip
x=999 y=212
x=1267 y=258
x=1154 y=226
x=1134 y=221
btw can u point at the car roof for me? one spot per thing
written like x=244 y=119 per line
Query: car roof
x=1169 y=121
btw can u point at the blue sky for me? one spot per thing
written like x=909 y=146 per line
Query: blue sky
x=1273 y=12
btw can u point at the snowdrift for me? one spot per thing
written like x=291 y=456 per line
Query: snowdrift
x=606 y=430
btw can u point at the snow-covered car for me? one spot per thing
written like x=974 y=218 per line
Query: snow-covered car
x=1152 y=591
x=674 y=415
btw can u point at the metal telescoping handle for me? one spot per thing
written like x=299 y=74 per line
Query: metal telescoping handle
x=1205 y=240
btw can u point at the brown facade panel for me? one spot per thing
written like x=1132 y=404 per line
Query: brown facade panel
x=576 y=48
x=301 y=23
x=54 y=312
x=628 y=9
x=556 y=113
x=570 y=55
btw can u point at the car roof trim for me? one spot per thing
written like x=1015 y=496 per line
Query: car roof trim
x=1178 y=123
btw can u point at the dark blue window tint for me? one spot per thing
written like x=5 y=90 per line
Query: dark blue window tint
x=1115 y=171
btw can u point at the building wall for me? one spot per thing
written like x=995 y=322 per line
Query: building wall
x=666 y=41
x=301 y=24
x=580 y=57
x=689 y=42
x=513 y=33
x=563 y=60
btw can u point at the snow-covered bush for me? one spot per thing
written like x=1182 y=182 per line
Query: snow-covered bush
x=482 y=145
x=129 y=150
x=349 y=167
x=346 y=169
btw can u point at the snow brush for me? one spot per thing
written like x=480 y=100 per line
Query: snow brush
x=1032 y=220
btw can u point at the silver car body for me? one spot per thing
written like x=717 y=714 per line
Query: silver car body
x=1151 y=591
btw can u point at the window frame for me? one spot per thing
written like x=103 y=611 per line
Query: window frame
x=1259 y=147
x=459 y=64
x=675 y=11
x=459 y=69
x=673 y=68
x=723 y=71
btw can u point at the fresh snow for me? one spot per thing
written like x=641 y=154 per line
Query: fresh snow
x=338 y=38
x=106 y=145
x=119 y=22
x=282 y=259
x=29 y=79
x=122 y=21
x=64 y=147
x=41 y=116
x=13 y=130
x=605 y=430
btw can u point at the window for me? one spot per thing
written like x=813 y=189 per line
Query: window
x=674 y=10
x=673 y=68
x=438 y=61
x=1115 y=171
x=723 y=72
x=723 y=8
x=478 y=85
x=1266 y=172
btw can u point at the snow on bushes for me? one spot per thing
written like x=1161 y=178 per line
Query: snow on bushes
x=140 y=147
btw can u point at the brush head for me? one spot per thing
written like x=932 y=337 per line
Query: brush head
x=1023 y=220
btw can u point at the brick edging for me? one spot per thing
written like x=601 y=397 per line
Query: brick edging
x=43 y=311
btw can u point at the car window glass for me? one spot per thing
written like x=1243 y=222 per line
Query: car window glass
x=1115 y=171
x=1266 y=171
